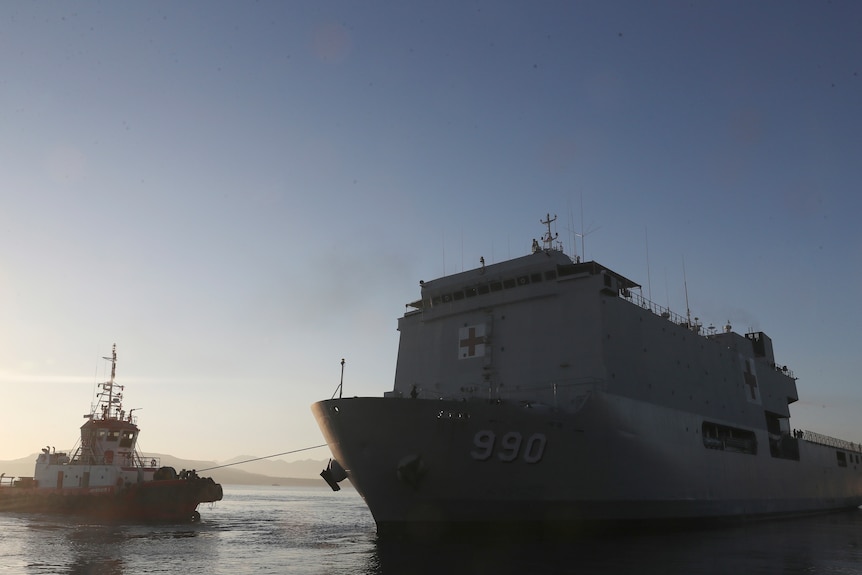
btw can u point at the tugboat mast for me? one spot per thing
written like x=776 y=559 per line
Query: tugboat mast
x=108 y=389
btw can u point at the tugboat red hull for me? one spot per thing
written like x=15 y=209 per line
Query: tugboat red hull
x=167 y=501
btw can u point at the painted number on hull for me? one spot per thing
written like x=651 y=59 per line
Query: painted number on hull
x=509 y=448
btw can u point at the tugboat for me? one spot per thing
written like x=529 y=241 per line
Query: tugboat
x=544 y=394
x=106 y=478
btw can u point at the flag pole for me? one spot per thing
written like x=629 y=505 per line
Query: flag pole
x=341 y=383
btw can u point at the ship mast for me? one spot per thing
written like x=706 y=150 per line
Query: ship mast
x=549 y=238
x=107 y=403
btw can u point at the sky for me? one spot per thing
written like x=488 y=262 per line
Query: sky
x=241 y=194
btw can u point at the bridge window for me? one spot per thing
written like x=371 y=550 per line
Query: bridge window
x=127 y=438
x=726 y=438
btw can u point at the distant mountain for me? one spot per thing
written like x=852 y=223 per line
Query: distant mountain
x=19 y=467
x=232 y=471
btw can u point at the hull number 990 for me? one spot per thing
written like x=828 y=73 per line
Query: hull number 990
x=510 y=446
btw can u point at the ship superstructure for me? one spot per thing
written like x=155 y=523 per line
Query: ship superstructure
x=546 y=390
x=106 y=452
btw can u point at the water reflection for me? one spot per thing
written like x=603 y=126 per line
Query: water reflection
x=311 y=533
x=822 y=544
x=97 y=567
x=56 y=546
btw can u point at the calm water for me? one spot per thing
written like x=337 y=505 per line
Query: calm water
x=313 y=530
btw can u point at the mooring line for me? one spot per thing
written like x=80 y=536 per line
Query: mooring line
x=264 y=457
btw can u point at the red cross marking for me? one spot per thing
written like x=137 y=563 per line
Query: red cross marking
x=472 y=341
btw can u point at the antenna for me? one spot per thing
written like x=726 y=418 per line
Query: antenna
x=571 y=230
x=443 y=249
x=462 y=249
x=685 y=287
x=648 y=281
x=108 y=389
x=549 y=238
x=583 y=235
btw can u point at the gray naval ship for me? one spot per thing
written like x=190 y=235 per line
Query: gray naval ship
x=547 y=393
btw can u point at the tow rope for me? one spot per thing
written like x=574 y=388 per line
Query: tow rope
x=264 y=457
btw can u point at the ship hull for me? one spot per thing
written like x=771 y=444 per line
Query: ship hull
x=615 y=462
x=167 y=501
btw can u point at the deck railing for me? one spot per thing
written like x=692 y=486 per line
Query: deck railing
x=692 y=324
x=657 y=309
x=831 y=441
